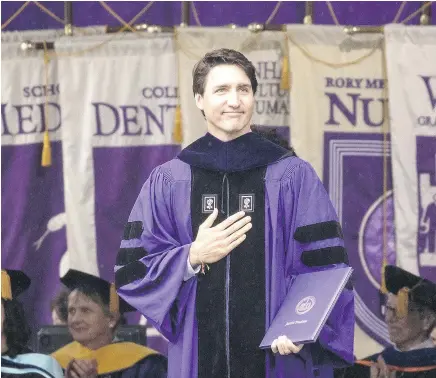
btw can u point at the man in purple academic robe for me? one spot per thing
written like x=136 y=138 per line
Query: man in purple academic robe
x=217 y=235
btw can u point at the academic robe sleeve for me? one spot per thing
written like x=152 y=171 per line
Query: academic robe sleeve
x=151 y=262
x=316 y=243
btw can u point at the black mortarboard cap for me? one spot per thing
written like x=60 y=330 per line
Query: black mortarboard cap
x=409 y=287
x=14 y=282
x=75 y=279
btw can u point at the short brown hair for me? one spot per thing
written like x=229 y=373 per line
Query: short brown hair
x=216 y=58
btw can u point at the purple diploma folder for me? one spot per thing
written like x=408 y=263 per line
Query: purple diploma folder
x=307 y=306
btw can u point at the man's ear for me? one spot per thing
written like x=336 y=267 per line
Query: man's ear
x=428 y=320
x=199 y=101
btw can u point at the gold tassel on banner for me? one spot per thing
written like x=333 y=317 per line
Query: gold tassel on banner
x=178 y=130
x=46 y=147
x=114 y=300
x=385 y=130
x=285 y=81
x=178 y=122
x=383 y=287
x=46 y=150
x=403 y=302
x=6 y=285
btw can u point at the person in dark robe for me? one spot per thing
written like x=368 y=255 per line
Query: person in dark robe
x=94 y=311
x=273 y=135
x=410 y=314
x=217 y=235
x=17 y=358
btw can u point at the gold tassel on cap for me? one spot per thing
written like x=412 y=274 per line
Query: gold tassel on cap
x=178 y=131
x=46 y=151
x=403 y=302
x=6 y=285
x=284 y=81
x=114 y=300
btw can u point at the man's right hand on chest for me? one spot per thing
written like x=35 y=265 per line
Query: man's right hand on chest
x=214 y=243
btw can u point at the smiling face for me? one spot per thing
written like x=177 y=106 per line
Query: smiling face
x=88 y=322
x=227 y=102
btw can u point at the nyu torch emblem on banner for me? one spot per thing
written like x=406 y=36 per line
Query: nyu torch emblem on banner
x=426 y=172
x=337 y=118
x=411 y=53
x=426 y=164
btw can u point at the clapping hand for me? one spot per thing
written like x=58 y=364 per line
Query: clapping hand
x=81 y=369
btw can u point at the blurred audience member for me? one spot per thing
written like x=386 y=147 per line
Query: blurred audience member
x=410 y=315
x=59 y=308
x=273 y=136
x=17 y=358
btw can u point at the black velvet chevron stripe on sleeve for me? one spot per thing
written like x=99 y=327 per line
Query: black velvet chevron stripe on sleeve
x=133 y=230
x=318 y=231
x=325 y=256
x=128 y=255
x=130 y=273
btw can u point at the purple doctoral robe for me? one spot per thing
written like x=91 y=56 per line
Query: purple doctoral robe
x=300 y=234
